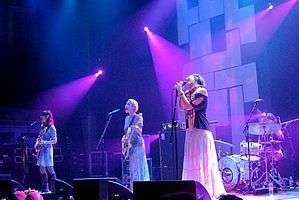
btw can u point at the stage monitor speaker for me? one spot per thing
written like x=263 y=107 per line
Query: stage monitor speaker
x=155 y=190
x=100 y=189
x=8 y=187
x=5 y=189
x=63 y=189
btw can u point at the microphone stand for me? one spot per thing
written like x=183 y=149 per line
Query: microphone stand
x=247 y=136
x=101 y=140
x=173 y=137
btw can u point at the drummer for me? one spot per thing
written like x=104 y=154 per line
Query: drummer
x=273 y=131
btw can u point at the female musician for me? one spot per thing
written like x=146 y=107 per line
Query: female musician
x=133 y=138
x=44 y=150
x=200 y=159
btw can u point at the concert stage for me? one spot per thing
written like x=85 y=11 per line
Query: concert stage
x=150 y=90
x=291 y=195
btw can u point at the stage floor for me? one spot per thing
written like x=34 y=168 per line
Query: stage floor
x=290 y=195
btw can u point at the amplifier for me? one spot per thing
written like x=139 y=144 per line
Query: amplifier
x=98 y=164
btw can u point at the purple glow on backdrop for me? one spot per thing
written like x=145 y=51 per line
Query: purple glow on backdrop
x=157 y=14
x=269 y=22
x=148 y=140
x=63 y=99
x=169 y=61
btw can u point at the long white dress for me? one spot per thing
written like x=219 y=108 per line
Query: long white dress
x=200 y=158
x=200 y=161
x=138 y=166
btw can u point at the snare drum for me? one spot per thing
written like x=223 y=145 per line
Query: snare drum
x=254 y=148
x=234 y=172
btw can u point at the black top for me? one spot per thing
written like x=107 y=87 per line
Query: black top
x=196 y=117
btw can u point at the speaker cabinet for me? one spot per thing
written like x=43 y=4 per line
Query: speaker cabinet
x=8 y=186
x=167 y=154
x=155 y=190
x=100 y=189
x=6 y=191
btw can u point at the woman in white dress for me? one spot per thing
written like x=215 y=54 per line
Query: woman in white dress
x=137 y=158
x=200 y=158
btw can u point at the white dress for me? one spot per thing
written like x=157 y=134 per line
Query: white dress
x=200 y=161
x=137 y=158
x=200 y=158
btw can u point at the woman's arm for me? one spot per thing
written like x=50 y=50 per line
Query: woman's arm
x=185 y=104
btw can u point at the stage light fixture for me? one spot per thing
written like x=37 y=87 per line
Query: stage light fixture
x=99 y=72
x=146 y=29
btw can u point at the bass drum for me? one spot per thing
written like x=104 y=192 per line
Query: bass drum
x=234 y=172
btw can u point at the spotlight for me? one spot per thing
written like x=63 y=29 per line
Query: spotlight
x=146 y=29
x=99 y=72
x=270 y=6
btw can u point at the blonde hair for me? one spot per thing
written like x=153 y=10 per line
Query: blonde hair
x=134 y=103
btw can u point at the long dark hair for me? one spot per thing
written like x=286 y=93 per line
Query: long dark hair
x=199 y=80
x=50 y=119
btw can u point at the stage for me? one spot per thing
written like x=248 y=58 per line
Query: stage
x=98 y=94
x=289 y=195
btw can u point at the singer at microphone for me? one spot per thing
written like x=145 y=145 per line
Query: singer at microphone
x=194 y=101
x=179 y=86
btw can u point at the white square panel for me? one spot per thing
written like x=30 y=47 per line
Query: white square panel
x=200 y=39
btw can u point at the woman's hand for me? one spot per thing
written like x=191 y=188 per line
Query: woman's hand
x=179 y=87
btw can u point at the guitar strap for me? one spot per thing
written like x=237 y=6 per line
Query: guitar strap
x=132 y=120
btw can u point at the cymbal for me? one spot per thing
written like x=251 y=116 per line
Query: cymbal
x=225 y=143
x=261 y=128
x=271 y=142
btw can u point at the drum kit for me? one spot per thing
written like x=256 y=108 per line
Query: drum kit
x=256 y=165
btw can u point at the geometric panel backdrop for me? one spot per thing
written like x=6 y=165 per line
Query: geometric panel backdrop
x=230 y=82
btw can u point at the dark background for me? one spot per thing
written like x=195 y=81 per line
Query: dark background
x=49 y=43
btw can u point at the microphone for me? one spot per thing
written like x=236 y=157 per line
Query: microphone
x=183 y=82
x=114 y=111
x=34 y=123
x=258 y=100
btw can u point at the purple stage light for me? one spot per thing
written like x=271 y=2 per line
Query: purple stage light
x=99 y=72
x=270 y=6
x=64 y=99
x=146 y=29
x=169 y=61
x=269 y=21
